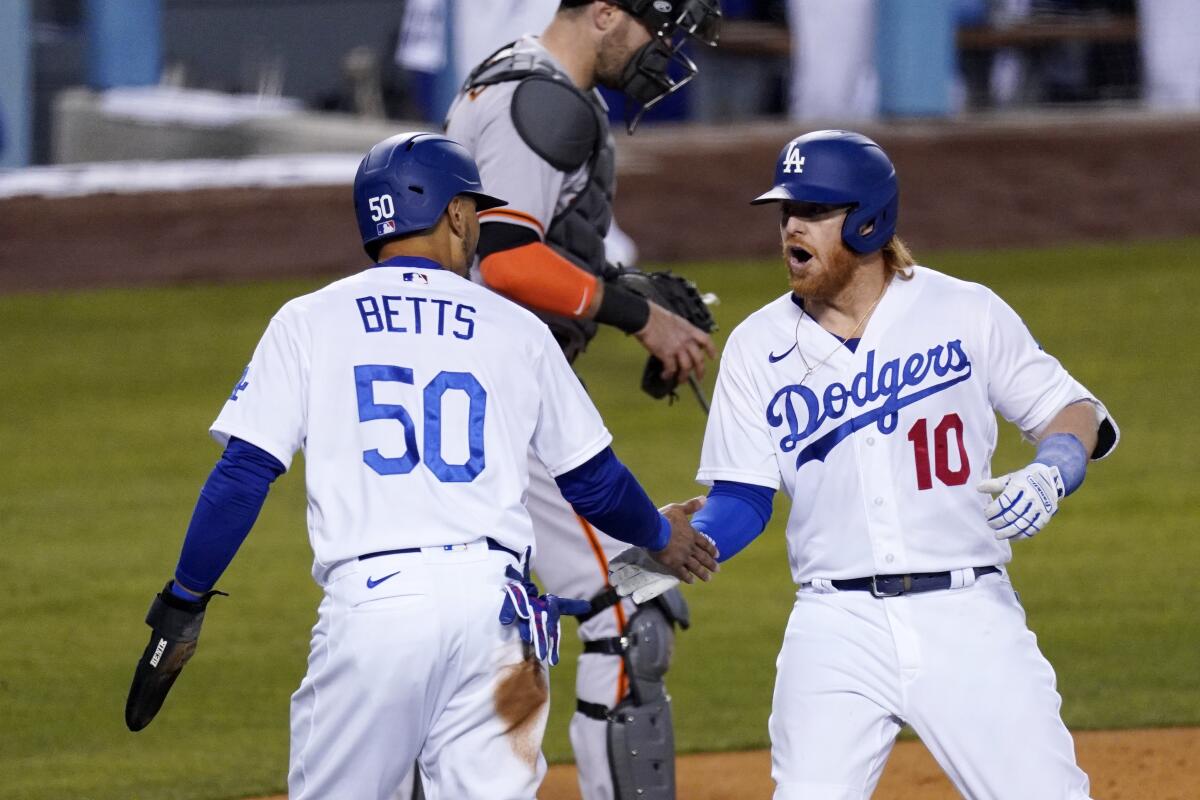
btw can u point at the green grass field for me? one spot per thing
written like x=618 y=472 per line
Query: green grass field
x=107 y=396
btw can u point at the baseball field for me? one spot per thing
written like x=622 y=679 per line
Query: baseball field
x=107 y=395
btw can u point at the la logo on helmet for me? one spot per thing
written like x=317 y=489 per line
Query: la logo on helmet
x=793 y=162
x=662 y=6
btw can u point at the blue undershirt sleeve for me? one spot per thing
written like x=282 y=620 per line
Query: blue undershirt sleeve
x=228 y=506
x=603 y=491
x=735 y=514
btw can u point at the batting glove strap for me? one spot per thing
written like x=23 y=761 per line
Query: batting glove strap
x=175 y=618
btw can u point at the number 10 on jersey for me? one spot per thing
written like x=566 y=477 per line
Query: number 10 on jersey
x=918 y=434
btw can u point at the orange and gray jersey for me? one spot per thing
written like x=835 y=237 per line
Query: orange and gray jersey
x=546 y=147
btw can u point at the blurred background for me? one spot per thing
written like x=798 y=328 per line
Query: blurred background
x=73 y=70
x=1070 y=111
x=77 y=74
x=172 y=171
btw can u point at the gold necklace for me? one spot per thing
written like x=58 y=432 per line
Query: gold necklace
x=862 y=321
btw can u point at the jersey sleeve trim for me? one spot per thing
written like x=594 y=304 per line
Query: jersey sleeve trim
x=223 y=434
x=708 y=476
x=582 y=456
x=518 y=217
x=1108 y=432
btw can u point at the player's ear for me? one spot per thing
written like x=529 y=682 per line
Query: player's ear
x=460 y=214
x=454 y=216
x=604 y=16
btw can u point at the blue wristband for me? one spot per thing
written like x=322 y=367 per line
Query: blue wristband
x=184 y=594
x=1065 y=451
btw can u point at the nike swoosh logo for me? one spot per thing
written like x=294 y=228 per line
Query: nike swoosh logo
x=774 y=359
x=372 y=583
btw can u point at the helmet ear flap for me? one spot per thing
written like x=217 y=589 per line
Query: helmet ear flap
x=869 y=226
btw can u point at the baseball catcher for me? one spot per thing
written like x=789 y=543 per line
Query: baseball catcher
x=539 y=130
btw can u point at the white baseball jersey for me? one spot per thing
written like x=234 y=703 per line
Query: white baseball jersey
x=416 y=396
x=881 y=449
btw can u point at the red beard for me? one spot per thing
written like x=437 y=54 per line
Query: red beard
x=829 y=282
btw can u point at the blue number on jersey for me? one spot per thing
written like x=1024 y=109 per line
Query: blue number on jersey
x=368 y=409
x=465 y=381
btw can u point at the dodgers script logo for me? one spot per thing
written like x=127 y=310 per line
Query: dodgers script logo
x=947 y=364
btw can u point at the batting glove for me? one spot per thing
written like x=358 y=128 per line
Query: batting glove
x=633 y=573
x=1027 y=499
x=537 y=617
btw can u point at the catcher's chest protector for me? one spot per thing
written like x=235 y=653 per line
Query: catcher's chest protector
x=569 y=129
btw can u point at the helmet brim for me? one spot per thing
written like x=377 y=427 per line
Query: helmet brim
x=805 y=194
x=773 y=195
x=485 y=201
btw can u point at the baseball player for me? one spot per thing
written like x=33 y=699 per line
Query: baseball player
x=416 y=396
x=539 y=131
x=869 y=392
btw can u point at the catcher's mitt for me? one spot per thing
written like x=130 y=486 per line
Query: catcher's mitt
x=674 y=293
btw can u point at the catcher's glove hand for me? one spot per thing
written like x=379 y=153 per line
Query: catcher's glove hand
x=674 y=293
x=176 y=628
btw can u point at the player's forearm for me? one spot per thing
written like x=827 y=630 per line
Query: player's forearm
x=229 y=504
x=605 y=493
x=1079 y=420
x=735 y=514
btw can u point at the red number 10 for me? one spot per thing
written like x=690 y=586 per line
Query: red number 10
x=918 y=434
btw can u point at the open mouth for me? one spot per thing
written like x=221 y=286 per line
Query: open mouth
x=799 y=255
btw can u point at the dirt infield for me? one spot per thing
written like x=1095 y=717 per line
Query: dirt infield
x=1161 y=764
x=683 y=196
x=1158 y=764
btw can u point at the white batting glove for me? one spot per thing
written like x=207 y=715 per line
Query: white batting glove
x=1027 y=499
x=634 y=573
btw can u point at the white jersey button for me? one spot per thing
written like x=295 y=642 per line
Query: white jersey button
x=870 y=440
x=878 y=501
x=889 y=558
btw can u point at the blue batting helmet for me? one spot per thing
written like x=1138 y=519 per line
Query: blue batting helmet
x=841 y=168
x=404 y=184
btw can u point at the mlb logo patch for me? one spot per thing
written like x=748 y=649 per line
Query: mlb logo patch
x=385 y=227
x=419 y=277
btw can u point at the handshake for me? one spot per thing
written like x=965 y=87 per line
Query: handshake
x=689 y=554
x=644 y=574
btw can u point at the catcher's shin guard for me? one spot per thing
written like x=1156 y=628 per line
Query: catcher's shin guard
x=641 y=739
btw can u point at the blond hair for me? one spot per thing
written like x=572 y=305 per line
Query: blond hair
x=897 y=258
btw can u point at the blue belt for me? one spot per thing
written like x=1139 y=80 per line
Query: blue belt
x=491 y=543
x=896 y=585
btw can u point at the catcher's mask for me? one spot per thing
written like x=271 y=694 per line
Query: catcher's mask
x=405 y=183
x=841 y=168
x=660 y=67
